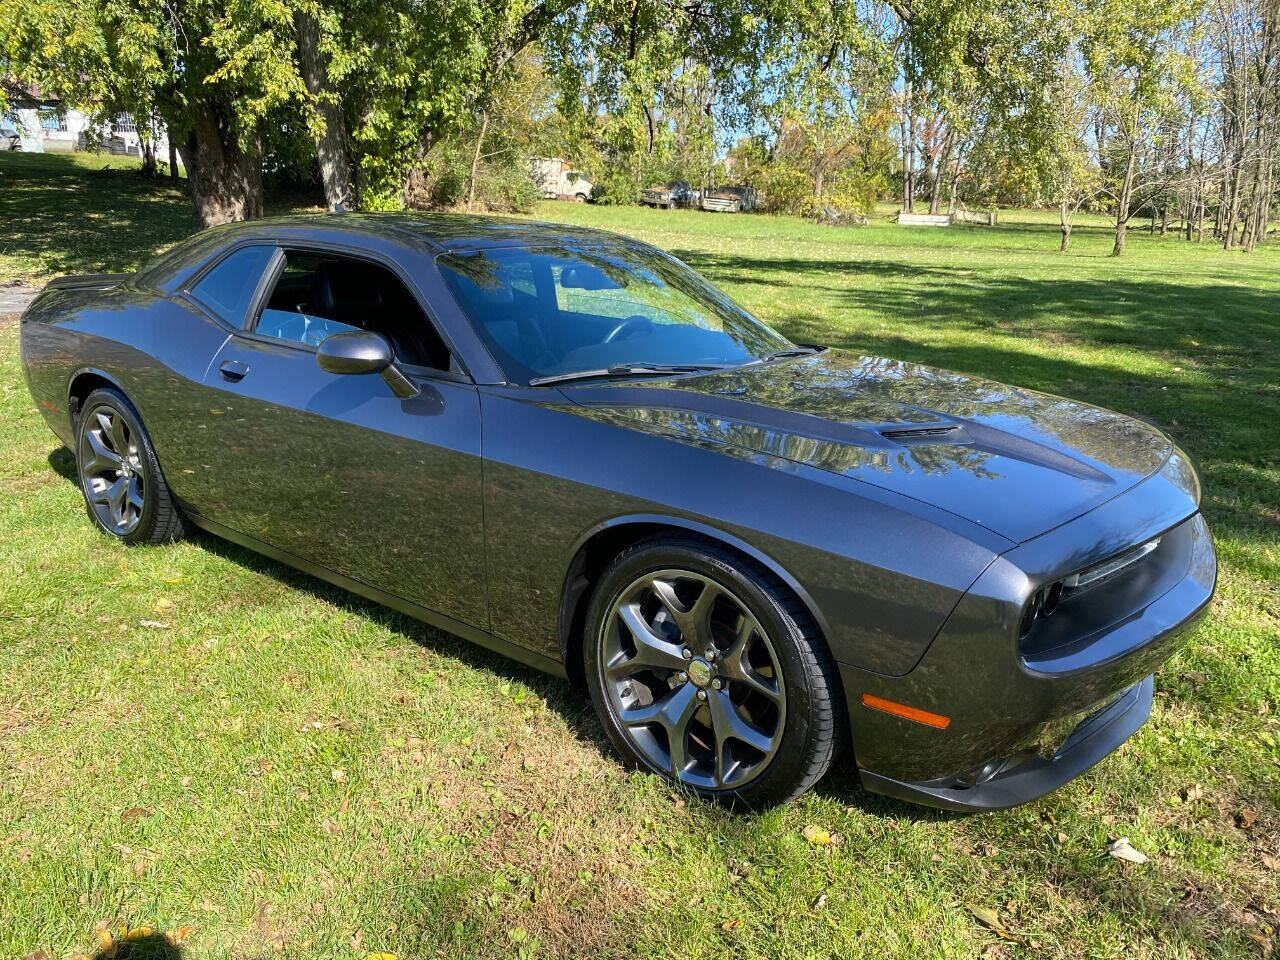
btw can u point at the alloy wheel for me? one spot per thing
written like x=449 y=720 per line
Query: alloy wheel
x=111 y=471
x=693 y=680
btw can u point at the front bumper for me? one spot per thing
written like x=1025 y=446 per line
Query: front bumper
x=1020 y=782
x=1014 y=707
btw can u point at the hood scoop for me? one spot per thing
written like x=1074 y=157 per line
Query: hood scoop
x=948 y=432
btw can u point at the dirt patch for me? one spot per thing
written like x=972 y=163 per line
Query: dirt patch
x=8 y=319
x=541 y=808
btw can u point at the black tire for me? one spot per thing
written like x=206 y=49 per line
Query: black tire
x=814 y=725
x=158 y=520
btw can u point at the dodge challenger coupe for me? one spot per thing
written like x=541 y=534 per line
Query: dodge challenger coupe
x=567 y=446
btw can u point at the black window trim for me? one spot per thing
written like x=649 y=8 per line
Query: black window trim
x=271 y=274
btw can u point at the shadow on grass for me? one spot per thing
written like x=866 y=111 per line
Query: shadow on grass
x=70 y=219
x=153 y=946
x=70 y=213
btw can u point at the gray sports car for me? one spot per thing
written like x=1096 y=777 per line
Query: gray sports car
x=569 y=447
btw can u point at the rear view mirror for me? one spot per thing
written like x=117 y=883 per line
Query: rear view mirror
x=362 y=351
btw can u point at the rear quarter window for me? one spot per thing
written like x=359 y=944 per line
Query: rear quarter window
x=228 y=288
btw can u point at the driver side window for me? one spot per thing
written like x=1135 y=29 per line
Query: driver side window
x=318 y=294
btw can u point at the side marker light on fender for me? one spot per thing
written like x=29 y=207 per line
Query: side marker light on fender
x=902 y=710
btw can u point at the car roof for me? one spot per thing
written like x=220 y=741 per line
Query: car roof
x=437 y=231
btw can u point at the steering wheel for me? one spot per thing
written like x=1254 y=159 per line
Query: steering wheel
x=637 y=323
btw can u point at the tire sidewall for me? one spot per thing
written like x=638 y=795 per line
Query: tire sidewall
x=791 y=758
x=118 y=404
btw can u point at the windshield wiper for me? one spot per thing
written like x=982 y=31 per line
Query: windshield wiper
x=794 y=352
x=628 y=370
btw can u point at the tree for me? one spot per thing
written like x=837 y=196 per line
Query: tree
x=211 y=73
x=1138 y=69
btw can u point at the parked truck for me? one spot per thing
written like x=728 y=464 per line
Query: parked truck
x=558 y=180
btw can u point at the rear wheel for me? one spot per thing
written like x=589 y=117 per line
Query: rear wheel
x=124 y=491
x=705 y=670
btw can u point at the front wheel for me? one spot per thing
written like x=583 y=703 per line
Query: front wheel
x=124 y=491
x=706 y=670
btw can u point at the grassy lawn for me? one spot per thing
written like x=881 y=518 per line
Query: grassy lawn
x=196 y=739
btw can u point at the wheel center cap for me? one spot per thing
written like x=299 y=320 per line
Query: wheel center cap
x=699 y=673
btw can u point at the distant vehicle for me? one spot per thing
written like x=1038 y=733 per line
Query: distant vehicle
x=729 y=199
x=10 y=139
x=559 y=181
x=677 y=193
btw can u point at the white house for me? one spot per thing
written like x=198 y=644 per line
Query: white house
x=46 y=125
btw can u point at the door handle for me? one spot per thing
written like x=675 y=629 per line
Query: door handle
x=233 y=370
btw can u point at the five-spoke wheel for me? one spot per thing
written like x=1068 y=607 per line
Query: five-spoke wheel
x=111 y=471
x=706 y=671
x=694 y=679
x=123 y=487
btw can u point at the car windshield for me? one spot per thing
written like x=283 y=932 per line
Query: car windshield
x=595 y=305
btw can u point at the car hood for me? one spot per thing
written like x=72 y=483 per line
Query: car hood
x=1015 y=461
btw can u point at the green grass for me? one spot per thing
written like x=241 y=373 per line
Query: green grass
x=292 y=771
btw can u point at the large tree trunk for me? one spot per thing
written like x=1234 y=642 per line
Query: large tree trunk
x=225 y=178
x=331 y=137
x=173 y=156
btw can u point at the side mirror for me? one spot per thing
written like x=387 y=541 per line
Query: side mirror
x=364 y=352
x=357 y=352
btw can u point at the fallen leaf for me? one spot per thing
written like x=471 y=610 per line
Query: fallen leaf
x=344 y=805
x=153 y=624
x=133 y=813
x=357 y=939
x=1122 y=849
x=991 y=920
x=817 y=836
x=1193 y=792
x=38 y=955
x=821 y=902
x=985 y=849
x=730 y=925
x=339 y=776
x=1270 y=862
x=1246 y=818
x=381 y=956
x=179 y=936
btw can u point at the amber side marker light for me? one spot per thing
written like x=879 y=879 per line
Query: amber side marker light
x=902 y=710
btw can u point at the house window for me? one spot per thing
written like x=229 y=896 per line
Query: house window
x=51 y=119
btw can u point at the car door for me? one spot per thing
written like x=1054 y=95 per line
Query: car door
x=335 y=469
